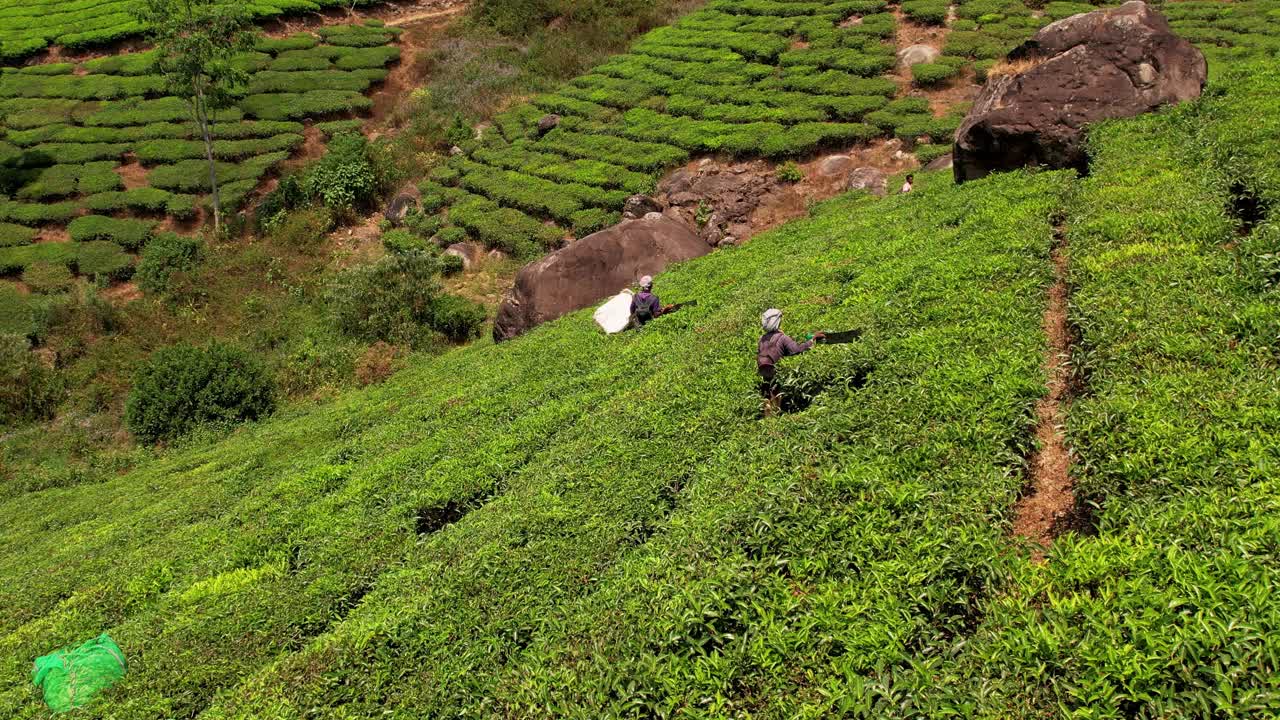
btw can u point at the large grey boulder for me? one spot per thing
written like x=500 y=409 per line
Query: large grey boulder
x=869 y=179
x=917 y=55
x=592 y=269
x=1095 y=66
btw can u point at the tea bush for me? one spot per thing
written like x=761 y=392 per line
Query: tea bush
x=398 y=299
x=29 y=390
x=166 y=254
x=183 y=387
x=66 y=131
x=47 y=277
x=344 y=178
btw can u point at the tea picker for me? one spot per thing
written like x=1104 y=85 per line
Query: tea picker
x=775 y=345
x=645 y=306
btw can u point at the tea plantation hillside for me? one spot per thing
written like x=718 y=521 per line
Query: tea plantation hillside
x=68 y=129
x=571 y=525
x=28 y=26
x=766 y=78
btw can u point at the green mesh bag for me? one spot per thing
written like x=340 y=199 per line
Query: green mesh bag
x=71 y=678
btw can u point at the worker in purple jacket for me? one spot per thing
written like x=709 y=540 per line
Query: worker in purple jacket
x=775 y=345
x=645 y=305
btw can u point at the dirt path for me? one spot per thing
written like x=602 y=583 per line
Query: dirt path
x=421 y=29
x=1046 y=508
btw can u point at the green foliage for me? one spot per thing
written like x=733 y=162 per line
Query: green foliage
x=47 y=277
x=165 y=255
x=344 y=178
x=404 y=241
x=397 y=299
x=102 y=260
x=127 y=233
x=789 y=172
x=929 y=74
x=458 y=319
x=301 y=227
x=183 y=386
x=29 y=390
x=926 y=12
x=12 y=235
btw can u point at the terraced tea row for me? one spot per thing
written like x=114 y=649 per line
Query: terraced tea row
x=29 y=26
x=69 y=128
x=773 y=79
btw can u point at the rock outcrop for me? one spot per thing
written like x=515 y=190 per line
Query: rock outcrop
x=594 y=268
x=1106 y=64
x=917 y=55
x=637 y=206
x=400 y=205
x=469 y=252
x=869 y=179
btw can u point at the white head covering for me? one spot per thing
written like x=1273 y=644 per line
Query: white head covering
x=771 y=319
x=646 y=282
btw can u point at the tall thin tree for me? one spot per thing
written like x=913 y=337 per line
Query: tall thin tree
x=196 y=44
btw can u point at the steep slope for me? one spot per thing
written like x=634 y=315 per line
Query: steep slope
x=578 y=526
x=307 y=553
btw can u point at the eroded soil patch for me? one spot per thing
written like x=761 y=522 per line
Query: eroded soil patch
x=1048 y=506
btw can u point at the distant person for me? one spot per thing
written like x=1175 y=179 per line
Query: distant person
x=775 y=345
x=906 y=186
x=645 y=305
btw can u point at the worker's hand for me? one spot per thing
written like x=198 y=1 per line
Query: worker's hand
x=819 y=335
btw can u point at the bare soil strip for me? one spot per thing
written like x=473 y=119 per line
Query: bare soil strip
x=1049 y=498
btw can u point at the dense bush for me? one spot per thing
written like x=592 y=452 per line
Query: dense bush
x=928 y=74
x=344 y=178
x=182 y=387
x=397 y=299
x=166 y=254
x=103 y=260
x=404 y=241
x=47 y=277
x=127 y=233
x=458 y=319
x=29 y=390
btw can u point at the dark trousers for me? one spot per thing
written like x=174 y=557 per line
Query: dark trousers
x=769 y=389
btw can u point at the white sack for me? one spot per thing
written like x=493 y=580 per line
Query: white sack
x=613 y=316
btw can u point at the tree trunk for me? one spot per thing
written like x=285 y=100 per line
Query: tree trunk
x=206 y=133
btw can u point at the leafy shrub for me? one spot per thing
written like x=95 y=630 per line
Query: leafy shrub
x=127 y=233
x=423 y=224
x=166 y=254
x=590 y=220
x=927 y=74
x=102 y=260
x=47 y=278
x=29 y=390
x=344 y=178
x=926 y=12
x=403 y=241
x=451 y=235
x=458 y=319
x=395 y=299
x=303 y=227
x=143 y=199
x=789 y=172
x=13 y=235
x=182 y=387
x=927 y=153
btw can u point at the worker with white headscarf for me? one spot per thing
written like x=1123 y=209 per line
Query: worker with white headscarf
x=645 y=305
x=775 y=345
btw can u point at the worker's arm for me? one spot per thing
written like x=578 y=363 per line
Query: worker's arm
x=791 y=347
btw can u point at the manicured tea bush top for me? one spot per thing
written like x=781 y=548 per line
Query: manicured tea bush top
x=65 y=135
x=28 y=26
